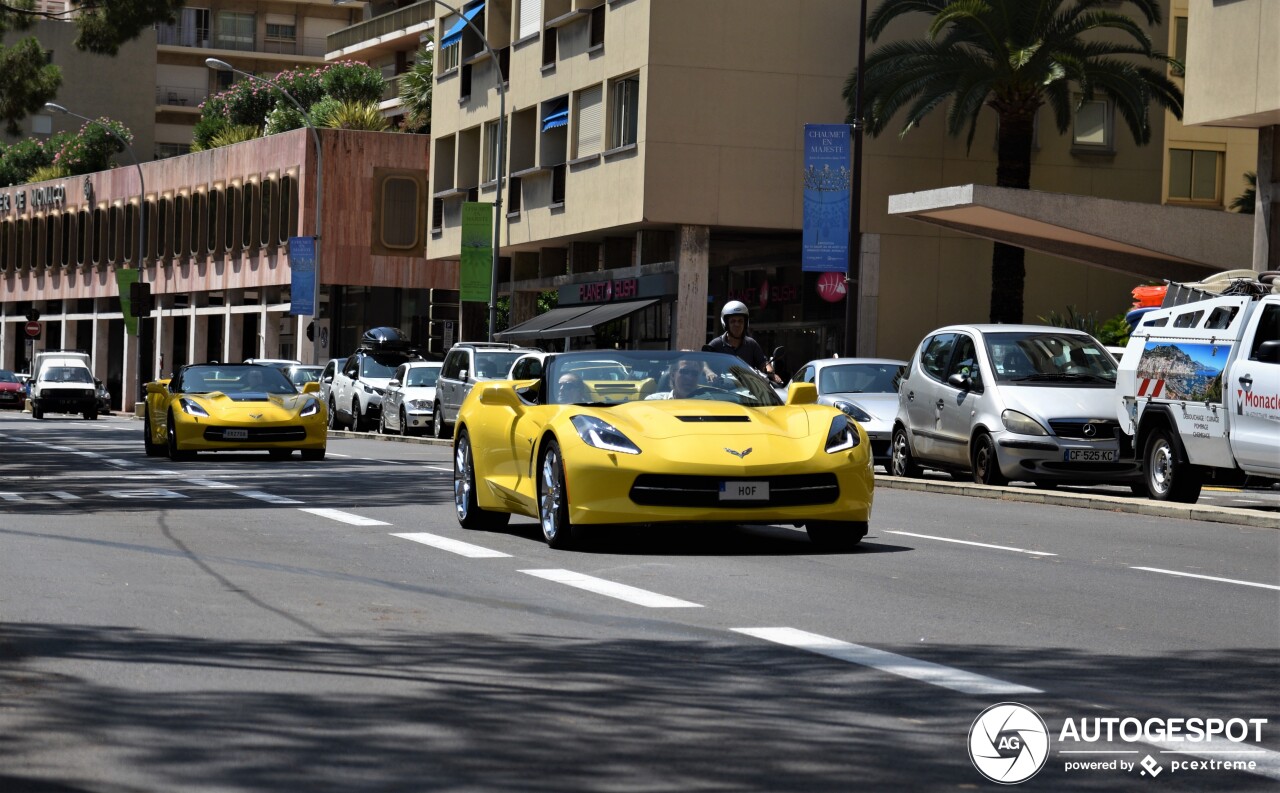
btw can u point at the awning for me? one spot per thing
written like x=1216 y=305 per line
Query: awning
x=573 y=320
x=454 y=34
x=557 y=118
x=1147 y=240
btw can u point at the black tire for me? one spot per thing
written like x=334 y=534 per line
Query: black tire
x=470 y=514
x=152 y=448
x=91 y=415
x=836 y=535
x=986 y=465
x=901 y=461
x=553 y=500
x=36 y=413
x=171 y=438
x=382 y=423
x=404 y=424
x=437 y=423
x=358 y=422
x=1167 y=479
x=313 y=454
x=334 y=421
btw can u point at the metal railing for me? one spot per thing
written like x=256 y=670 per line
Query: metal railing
x=391 y=87
x=381 y=26
x=178 y=95
x=203 y=38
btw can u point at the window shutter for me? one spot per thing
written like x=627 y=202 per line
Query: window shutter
x=530 y=17
x=590 y=121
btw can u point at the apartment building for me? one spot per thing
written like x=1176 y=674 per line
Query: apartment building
x=388 y=38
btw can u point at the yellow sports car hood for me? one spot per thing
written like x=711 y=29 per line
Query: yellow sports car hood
x=661 y=419
x=251 y=407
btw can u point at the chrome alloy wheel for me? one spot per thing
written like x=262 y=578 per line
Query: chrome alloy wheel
x=1160 y=465
x=551 y=498
x=462 y=478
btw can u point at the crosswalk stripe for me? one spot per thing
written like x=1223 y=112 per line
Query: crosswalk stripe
x=454 y=546
x=894 y=664
x=640 y=597
x=344 y=517
x=267 y=497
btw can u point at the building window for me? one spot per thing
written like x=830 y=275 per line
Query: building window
x=235 y=30
x=464 y=84
x=1180 y=45
x=491 y=155
x=282 y=32
x=399 y=226
x=1092 y=127
x=41 y=124
x=1195 y=175
x=549 y=48
x=597 y=27
x=530 y=17
x=624 y=97
x=449 y=57
x=590 y=121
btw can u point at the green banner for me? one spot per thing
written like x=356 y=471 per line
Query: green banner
x=124 y=279
x=476 y=271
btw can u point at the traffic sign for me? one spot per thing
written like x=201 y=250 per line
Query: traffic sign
x=33 y=330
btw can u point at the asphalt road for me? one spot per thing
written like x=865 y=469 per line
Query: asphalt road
x=237 y=623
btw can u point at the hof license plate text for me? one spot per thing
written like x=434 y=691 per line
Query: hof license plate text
x=235 y=435
x=744 y=491
x=1089 y=455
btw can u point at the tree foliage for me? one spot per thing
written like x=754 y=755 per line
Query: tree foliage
x=415 y=93
x=27 y=82
x=66 y=153
x=1014 y=56
x=1246 y=201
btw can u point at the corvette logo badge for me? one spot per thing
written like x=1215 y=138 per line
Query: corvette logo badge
x=742 y=453
x=255 y=415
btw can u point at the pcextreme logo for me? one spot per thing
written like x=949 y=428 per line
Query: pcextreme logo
x=1009 y=743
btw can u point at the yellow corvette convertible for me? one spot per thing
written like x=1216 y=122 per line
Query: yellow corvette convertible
x=662 y=437
x=233 y=407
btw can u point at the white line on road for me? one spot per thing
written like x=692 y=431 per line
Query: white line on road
x=267 y=497
x=1266 y=762
x=977 y=544
x=1208 y=577
x=345 y=517
x=914 y=668
x=454 y=546
x=438 y=468
x=640 y=597
x=209 y=483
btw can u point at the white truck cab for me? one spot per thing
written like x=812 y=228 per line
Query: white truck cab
x=1198 y=393
x=63 y=383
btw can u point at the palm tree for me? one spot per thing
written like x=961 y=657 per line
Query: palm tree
x=415 y=93
x=1244 y=203
x=1013 y=56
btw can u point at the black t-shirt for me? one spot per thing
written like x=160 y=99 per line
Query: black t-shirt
x=749 y=350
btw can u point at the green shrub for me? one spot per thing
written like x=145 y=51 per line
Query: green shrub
x=358 y=115
x=1113 y=332
x=235 y=133
x=282 y=119
x=303 y=85
x=206 y=129
x=93 y=147
x=22 y=158
x=48 y=172
x=349 y=81
x=323 y=110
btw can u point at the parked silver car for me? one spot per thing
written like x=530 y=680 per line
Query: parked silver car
x=1006 y=402
x=407 y=405
x=865 y=389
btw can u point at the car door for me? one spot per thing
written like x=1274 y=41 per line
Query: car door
x=923 y=392
x=447 y=388
x=956 y=406
x=1255 y=388
x=394 y=397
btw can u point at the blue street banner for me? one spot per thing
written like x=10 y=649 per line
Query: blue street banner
x=828 y=173
x=302 y=278
x=475 y=271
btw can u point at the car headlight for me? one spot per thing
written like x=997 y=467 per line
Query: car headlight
x=842 y=436
x=1021 y=423
x=603 y=435
x=310 y=409
x=851 y=410
x=420 y=404
x=192 y=408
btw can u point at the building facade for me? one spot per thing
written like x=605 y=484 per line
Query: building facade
x=389 y=38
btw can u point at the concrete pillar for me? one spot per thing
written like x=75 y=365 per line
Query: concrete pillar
x=524 y=306
x=1266 y=220
x=99 y=347
x=269 y=343
x=6 y=329
x=131 y=399
x=232 y=335
x=164 y=339
x=198 y=335
x=868 y=295
x=692 y=262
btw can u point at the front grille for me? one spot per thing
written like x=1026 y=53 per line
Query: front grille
x=715 y=419
x=1103 y=429
x=260 y=434
x=791 y=490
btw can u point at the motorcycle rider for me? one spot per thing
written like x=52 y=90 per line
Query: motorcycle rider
x=734 y=340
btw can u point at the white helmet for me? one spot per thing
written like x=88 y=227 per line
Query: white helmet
x=734 y=308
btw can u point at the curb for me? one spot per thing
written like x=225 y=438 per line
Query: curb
x=1133 y=506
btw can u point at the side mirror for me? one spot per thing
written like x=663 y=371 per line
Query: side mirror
x=1269 y=352
x=499 y=394
x=960 y=381
x=311 y=388
x=158 y=387
x=802 y=394
x=463 y=374
x=393 y=384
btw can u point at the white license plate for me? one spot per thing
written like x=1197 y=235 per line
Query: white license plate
x=1090 y=455
x=744 y=491
x=235 y=435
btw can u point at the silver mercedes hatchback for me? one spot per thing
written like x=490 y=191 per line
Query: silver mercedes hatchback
x=1011 y=402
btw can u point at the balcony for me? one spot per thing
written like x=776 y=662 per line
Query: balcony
x=417 y=15
x=203 y=38
x=180 y=96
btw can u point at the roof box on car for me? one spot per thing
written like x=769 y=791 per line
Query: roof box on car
x=384 y=339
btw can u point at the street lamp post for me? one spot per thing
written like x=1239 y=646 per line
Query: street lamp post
x=223 y=66
x=855 y=199
x=502 y=156
x=142 y=214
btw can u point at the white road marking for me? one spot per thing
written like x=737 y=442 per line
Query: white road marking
x=64 y=495
x=121 y=463
x=149 y=493
x=454 y=546
x=267 y=497
x=1267 y=762
x=977 y=544
x=1207 y=577
x=640 y=597
x=88 y=454
x=438 y=468
x=209 y=483
x=914 y=668
x=345 y=517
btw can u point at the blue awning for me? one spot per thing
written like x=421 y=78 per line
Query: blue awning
x=557 y=118
x=454 y=34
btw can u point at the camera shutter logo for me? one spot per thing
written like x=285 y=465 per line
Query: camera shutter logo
x=1008 y=743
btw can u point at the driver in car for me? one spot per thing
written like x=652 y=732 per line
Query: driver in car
x=571 y=390
x=686 y=376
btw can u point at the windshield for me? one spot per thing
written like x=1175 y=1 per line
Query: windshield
x=7 y=376
x=372 y=367
x=1048 y=358
x=860 y=378
x=494 y=365
x=301 y=375
x=232 y=379
x=67 y=374
x=604 y=377
x=422 y=376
